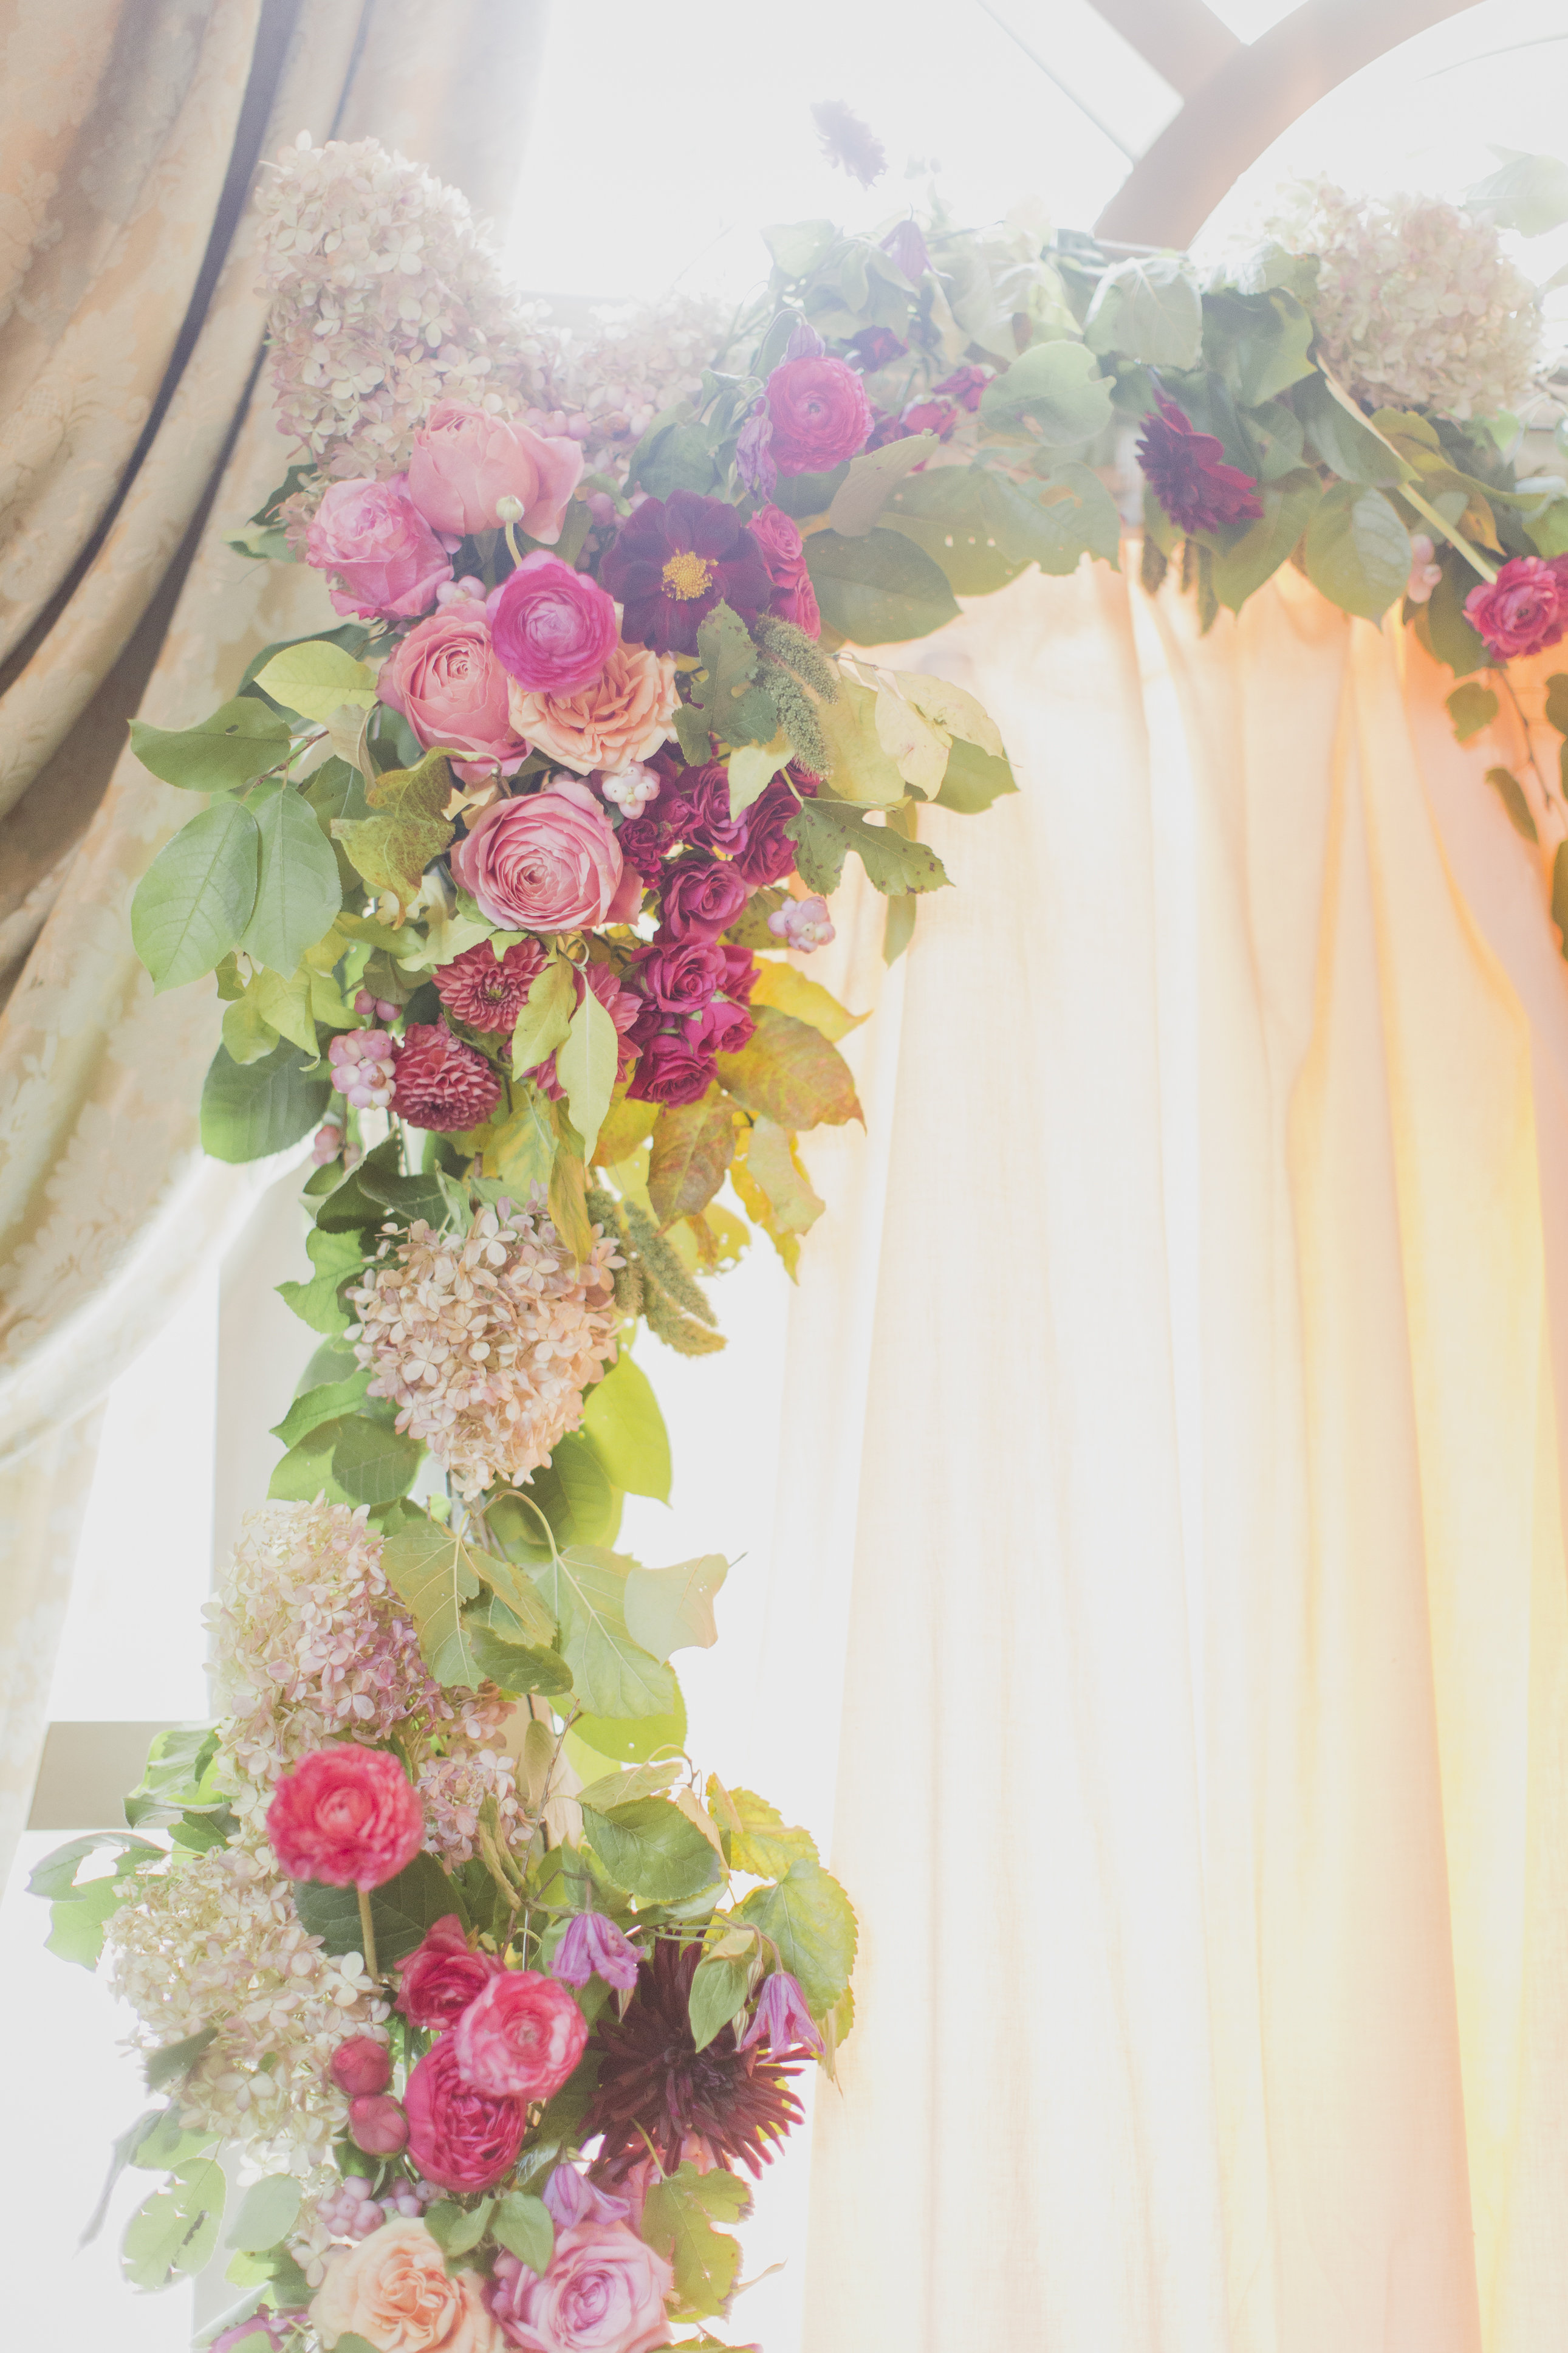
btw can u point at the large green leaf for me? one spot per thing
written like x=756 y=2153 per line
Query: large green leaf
x=372 y=1461
x=761 y=1841
x=1148 y=308
x=653 y=1851
x=1289 y=506
x=242 y=740
x=812 y=1922
x=335 y=1257
x=1530 y=193
x=718 y=1990
x=400 y=1912
x=299 y=893
x=626 y=1432
x=584 y=1590
x=878 y=589
x=1053 y=392
x=1358 y=550
x=250 y=1109
x=195 y=899
x=678 y=2224
x=267 y=2212
x=789 y=1072
x=1346 y=445
x=173 y=2233
x=515 y=1667
x=1260 y=343
x=436 y=1572
x=672 y=1609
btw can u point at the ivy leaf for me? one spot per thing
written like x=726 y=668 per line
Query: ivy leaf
x=586 y=1065
x=192 y=903
x=391 y=849
x=626 y=1432
x=299 y=893
x=1053 y=392
x=251 y=1110
x=672 y=1609
x=241 y=741
x=651 y=1850
x=315 y=678
x=585 y=1589
x=335 y=1257
x=719 y=690
x=878 y=589
x=435 y=1571
x=788 y=1071
x=545 y=1021
x=823 y=830
x=677 y=2224
x=1357 y=551
x=811 y=1921
x=693 y=1144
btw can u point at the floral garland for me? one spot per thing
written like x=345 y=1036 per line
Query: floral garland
x=502 y=882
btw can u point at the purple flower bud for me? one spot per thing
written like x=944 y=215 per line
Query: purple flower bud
x=753 y=462
x=595 y=1946
x=804 y=343
x=573 y=2198
x=781 y=2020
x=906 y=248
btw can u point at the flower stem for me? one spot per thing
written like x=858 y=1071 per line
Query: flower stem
x=367 y=1931
x=1455 y=538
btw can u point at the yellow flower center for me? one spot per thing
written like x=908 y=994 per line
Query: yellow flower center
x=686 y=575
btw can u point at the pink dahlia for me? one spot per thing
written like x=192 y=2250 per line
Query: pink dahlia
x=442 y=1082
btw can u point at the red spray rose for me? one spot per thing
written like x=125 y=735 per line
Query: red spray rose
x=701 y=898
x=441 y=1977
x=520 y=2038
x=767 y=853
x=443 y=1083
x=819 y=414
x=347 y=1816
x=707 y=823
x=674 y=560
x=721 y=1028
x=671 y=1070
x=1188 y=473
x=1524 y=609
x=459 y=2137
x=793 y=598
x=681 y=980
x=553 y=629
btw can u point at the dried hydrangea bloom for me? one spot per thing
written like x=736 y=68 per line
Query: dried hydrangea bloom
x=215 y=1940
x=488 y=1340
x=387 y=300
x=452 y=1789
x=1416 y=305
x=606 y=387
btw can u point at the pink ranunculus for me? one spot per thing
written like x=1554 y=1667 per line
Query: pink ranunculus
x=701 y=898
x=374 y=537
x=377 y=2125
x=1525 y=609
x=547 y=862
x=520 y=2038
x=445 y=679
x=441 y=1977
x=819 y=414
x=793 y=598
x=361 y=2066
x=347 y=1816
x=553 y=629
x=459 y=2137
x=464 y=460
x=603 y=2291
x=620 y=717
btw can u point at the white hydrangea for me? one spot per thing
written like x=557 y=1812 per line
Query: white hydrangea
x=1416 y=305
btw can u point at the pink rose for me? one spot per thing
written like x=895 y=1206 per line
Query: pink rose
x=377 y=2125
x=553 y=629
x=701 y=898
x=819 y=414
x=441 y=1977
x=459 y=2137
x=446 y=682
x=393 y=2290
x=1525 y=609
x=793 y=598
x=621 y=716
x=604 y=2293
x=361 y=2064
x=347 y=1816
x=464 y=461
x=522 y=2038
x=547 y=862
x=375 y=538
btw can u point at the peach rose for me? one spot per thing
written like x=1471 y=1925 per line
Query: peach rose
x=393 y=2290
x=625 y=713
x=464 y=461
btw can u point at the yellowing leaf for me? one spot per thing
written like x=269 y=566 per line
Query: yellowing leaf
x=752 y=766
x=782 y=984
x=773 y=1163
x=585 y=1066
x=285 y=1006
x=788 y=1071
x=317 y=678
x=545 y=1020
x=862 y=769
x=911 y=742
x=391 y=848
x=672 y=1609
x=952 y=710
x=693 y=1144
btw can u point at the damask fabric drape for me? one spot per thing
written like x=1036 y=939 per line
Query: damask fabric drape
x=122 y=120
x=1192 y=1477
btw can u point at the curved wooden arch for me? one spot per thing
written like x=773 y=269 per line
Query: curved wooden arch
x=1242 y=107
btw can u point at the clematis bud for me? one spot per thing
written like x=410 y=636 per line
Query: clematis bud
x=781 y=2020
x=595 y=1946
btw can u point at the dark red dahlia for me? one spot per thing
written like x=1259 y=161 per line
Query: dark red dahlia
x=1188 y=473
x=673 y=560
x=731 y=2106
x=441 y=1082
x=486 y=991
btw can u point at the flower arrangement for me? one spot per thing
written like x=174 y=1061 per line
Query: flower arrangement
x=507 y=882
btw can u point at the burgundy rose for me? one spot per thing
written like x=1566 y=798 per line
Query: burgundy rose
x=553 y=629
x=741 y=968
x=441 y=1977
x=443 y=1083
x=1188 y=473
x=965 y=385
x=459 y=2137
x=1524 y=609
x=642 y=842
x=346 y=1816
x=819 y=414
x=793 y=598
x=708 y=824
x=670 y=1070
x=768 y=853
x=932 y=414
x=682 y=979
x=520 y=2038
x=674 y=560
x=488 y=991
x=721 y=1028
x=701 y=898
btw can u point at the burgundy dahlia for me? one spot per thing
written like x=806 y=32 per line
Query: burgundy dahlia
x=488 y=991
x=674 y=560
x=442 y=1082
x=729 y=2106
x=1187 y=472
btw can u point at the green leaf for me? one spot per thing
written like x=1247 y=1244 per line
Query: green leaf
x=173 y=2060
x=335 y=1257
x=1260 y=343
x=241 y=741
x=584 y=1590
x=823 y=831
x=753 y=767
x=1450 y=633
x=522 y=2226
x=1347 y=447
x=626 y=1432
x=1358 y=550
x=585 y=1066
x=878 y=589
x=544 y=1022
x=516 y=1667
x=305 y=1471
x=800 y=246
x=973 y=779
x=1148 y=308
x=173 y=2233
x=316 y=678
x=675 y=2224
x=1510 y=792
x=267 y=2212
x=299 y=893
x=630 y=1739
x=373 y=1463
x=324 y=1403
x=693 y=1144
x=811 y=1921
x=1530 y=193
x=81 y=1910
x=574 y=1493
x=391 y=849
x=1471 y=708
x=192 y=903
x=434 y=1571
x=1556 y=701
x=613 y=1789
x=400 y=1912
x=284 y=1006
x=250 y=1109
x=1053 y=392
x=899 y=926
x=1288 y=505
x=871 y=479
x=801 y=496
x=721 y=689
x=672 y=1609
x=789 y=1072
x=719 y=1991
x=653 y=1851
x=458 y=2230
x=764 y=1845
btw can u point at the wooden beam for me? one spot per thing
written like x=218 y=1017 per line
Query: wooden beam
x=1182 y=39
x=1256 y=94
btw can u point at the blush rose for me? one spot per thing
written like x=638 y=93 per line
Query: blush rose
x=547 y=862
x=553 y=629
x=376 y=539
x=445 y=679
x=784 y=552
x=459 y=2137
x=392 y=2289
x=603 y=2291
x=819 y=415
x=520 y=2038
x=347 y=1816
x=464 y=459
x=623 y=714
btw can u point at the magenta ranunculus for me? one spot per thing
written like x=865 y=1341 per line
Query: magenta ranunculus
x=377 y=2125
x=441 y=1977
x=767 y=853
x=345 y=1815
x=681 y=980
x=445 y=679
x=670 y=1070
x=547 y=862
x=603 y=2291
x=701 y=898
x=553 y=629
x=361 y=2066
x=1524 y=609
x=374 y=537
x=819 y=414
x=464 y=460
x=459 y=2137
x=793 y=598
x=520 y=2038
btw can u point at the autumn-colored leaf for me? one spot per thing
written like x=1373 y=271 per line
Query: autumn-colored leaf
x=788 y=1071
x=693 y=1144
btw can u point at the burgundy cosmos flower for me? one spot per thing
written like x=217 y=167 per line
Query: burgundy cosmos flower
x=731 y=2106
x=674 y=560
x=1524 y=609
x=1188 y=473
x=442 y=1082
